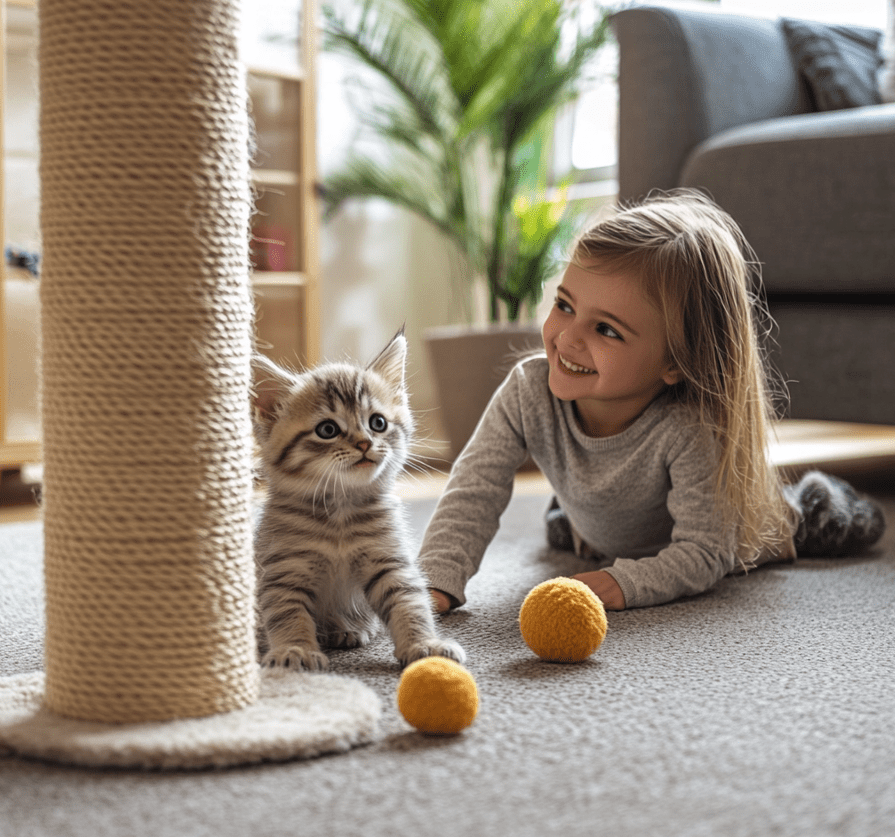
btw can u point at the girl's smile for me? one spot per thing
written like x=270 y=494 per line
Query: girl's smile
x=574 y=368
x=607 y=348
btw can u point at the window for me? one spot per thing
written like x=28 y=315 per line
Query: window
x=586 y=139
x=586 y=142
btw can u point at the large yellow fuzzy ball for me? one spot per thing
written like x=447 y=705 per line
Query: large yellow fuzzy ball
x=563 y=620
x=437 y=695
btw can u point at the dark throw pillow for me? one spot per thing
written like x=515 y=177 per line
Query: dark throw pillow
x=840 y=63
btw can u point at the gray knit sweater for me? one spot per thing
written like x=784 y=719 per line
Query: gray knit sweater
x=642 y=500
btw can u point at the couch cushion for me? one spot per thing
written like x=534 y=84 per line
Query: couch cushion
x=814 y=194
x=840 y=63
x=685 y=75
x=887 y=74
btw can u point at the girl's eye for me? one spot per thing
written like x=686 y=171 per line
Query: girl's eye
x=563 y=306
x=378 y=424
x=327 y=429
x=608 y=331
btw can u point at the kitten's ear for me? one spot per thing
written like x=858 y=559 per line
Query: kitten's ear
x=389 y=363
x=270 y=383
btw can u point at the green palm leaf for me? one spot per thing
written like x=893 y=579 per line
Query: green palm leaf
x=463 y=112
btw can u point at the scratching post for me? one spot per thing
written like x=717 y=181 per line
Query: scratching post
x=146 y=321
x=146 y=340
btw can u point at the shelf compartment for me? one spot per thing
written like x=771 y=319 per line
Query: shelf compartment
x=275 y=245
x=275 y=112
x=280 y=311
x=287 y=278
x=275 y=178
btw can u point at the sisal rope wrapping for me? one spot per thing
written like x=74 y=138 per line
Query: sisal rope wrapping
x=146 y=324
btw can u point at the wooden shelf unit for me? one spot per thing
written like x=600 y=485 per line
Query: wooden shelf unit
x=285 y=254
x=19 y=222
x=285 y=226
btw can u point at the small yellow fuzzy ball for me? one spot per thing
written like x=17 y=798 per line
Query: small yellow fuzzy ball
x=437 y=695
x=563 y=620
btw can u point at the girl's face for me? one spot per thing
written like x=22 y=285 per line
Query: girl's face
x=607 y=349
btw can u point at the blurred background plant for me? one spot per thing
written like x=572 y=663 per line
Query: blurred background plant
x=457 y=101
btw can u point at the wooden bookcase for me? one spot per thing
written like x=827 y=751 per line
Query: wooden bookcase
x=279 y=49
x=19 y=222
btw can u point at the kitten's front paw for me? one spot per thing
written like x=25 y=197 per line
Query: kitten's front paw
x=297 y=658
x=434 y=647
x=348 y=639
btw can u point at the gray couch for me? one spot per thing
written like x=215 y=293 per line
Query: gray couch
x=715 y=101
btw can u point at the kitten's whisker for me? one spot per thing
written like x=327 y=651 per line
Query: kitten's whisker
x=425 y=411
x=417 y=473
x=419 y=462
x=428 y=442
x=335 y=473
x=412 y=480
x=322 y=486
x=339 y=477
x=425 y=463
x=314 y=495
x=425 y=445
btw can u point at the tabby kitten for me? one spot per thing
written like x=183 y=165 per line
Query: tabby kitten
x=331 y=546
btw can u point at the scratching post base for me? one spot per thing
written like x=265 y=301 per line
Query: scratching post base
x=297 y=716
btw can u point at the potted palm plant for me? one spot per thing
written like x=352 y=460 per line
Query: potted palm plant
x=462 y=110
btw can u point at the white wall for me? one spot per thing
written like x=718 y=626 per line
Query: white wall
x=381 y=267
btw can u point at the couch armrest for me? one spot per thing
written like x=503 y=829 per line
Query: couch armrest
x=686 y=75
x=827 y=180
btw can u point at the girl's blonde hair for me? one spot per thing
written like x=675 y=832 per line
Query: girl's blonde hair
x=698 y=270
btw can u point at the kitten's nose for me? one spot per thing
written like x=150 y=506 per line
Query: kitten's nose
x=363 y=445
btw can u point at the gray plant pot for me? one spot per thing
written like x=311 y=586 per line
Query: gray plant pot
x=469 y=362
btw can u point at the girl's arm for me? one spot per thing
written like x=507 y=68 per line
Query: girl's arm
x=605 y=586
x=479 y=489
x=701 y=551
x=441 y=602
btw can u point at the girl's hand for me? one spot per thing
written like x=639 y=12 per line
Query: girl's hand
x=440 y=601
x=606 y=587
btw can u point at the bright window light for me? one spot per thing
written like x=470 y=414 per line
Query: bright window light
x=595 y=118
x=855 y=12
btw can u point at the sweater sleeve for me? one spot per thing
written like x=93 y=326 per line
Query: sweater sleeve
x=479 y=488
x=701 y=551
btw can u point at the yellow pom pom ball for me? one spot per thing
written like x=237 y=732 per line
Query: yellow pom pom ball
x=437 y=695
x=563 y=620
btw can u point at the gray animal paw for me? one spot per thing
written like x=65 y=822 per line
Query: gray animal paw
x=434 y=647
x=348 y=639
x=297 y=658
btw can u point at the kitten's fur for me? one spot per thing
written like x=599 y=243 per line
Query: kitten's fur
x=331 y=546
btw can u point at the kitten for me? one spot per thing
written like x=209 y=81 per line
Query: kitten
x=331 y=547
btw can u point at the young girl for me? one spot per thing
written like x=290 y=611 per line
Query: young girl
x=649 y=414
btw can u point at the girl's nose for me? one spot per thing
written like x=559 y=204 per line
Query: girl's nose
x=571 y=336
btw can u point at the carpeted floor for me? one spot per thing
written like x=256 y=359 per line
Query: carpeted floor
x=764 y=707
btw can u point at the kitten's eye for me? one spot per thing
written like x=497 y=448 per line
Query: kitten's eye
x=378 y=423
x=327 y=429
